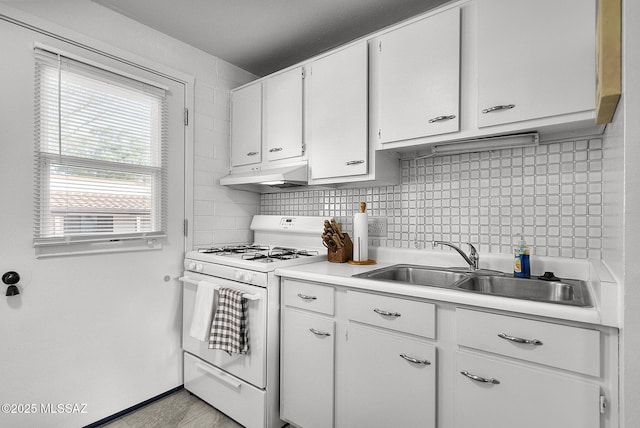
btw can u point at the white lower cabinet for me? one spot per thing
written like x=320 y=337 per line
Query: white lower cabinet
x=351 y=358
x=307 y=375
x=391 y=380
x=501 y=394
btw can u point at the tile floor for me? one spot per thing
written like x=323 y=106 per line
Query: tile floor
x=178 y=410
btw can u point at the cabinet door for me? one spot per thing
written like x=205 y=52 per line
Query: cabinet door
x=535 y=59
x=336 y=126
x=283 y=115
x=246 y=125
x=385 y=387
x=419 y=78
x=524 y=397
x=307 y=369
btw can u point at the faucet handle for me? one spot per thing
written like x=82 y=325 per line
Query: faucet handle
x=473 y=255
x=473 y=250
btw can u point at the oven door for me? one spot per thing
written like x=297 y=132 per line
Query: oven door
x=250 y=367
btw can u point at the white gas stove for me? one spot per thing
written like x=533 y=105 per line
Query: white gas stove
x=246 y=386
x=278 y=241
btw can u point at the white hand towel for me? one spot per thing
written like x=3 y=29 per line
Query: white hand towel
x=203 y=311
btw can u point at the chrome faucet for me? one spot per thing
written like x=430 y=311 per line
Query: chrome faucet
x=473 y=257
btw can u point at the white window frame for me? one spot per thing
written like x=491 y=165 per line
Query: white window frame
x=108 y=241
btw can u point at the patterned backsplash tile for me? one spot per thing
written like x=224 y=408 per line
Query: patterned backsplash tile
x=551 y=194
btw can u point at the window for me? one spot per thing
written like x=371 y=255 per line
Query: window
x=100 y=154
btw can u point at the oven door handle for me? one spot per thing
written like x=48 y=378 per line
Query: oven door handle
x=221 y=377
x=217 y=287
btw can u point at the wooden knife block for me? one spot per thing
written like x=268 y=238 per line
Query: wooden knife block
x=341 y=255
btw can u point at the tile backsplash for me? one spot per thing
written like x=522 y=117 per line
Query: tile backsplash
x=551 y=194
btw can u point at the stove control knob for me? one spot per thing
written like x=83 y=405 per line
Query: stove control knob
x=199 y=267
x=191 y=266
x=248 y=277
x=239 y=275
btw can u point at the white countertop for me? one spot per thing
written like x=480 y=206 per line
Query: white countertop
x=604 y=292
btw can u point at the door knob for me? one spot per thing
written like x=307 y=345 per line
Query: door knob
x=11 y=278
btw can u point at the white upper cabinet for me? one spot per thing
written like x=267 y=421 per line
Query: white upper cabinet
x=536 y=59
x=336 y=114
x=418 y=82
x=282 y=117
x=246 y=125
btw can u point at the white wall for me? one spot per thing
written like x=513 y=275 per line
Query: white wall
x=622 y=212
x=630 y=335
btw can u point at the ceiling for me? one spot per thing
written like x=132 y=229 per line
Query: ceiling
x=263 y=36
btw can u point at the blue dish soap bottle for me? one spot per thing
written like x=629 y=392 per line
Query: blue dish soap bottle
x=521 y=267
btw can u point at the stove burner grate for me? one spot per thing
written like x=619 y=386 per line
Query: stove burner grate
x=279 y=253
x=234 y=249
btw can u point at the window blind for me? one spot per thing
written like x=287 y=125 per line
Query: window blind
x=100 y=154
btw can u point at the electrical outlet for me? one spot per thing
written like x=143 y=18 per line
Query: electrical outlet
x=377 y=226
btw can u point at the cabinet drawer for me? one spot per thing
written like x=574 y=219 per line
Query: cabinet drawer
x=408 y=316
x=312 y=297
x=227 y=393
x=570 y=348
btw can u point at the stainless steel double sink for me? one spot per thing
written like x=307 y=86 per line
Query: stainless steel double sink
x=561 y=291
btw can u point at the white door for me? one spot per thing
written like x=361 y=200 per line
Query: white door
x=99 y=330
x=391 y=380
x=246 y=125
x=419 y=78
x=307 y=362
x=505 y=395
x=530 y=64
x=336 y=126
x=282 y=115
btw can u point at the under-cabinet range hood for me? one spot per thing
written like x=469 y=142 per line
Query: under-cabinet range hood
x=262 y=180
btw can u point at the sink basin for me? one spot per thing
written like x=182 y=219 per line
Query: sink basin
x=416 y=275
x=566 y=292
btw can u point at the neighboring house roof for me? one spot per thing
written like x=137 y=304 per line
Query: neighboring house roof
x=102 y=202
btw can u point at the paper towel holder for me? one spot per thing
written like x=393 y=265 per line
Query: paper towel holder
x=363 y=208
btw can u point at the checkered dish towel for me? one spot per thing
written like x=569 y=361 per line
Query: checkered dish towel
x=230 y=327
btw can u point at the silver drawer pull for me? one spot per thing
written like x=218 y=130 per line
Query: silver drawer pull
x=498 y=108
x=354 y=162
x=386 y=314
x=252 y=153
x=519 y=339
x=479 y=378
x=415 y=360
x=305 y=297
x=441 y=118
x=275 y=149
x=318 y=332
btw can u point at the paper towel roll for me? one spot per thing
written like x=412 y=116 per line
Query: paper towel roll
x=360 y=237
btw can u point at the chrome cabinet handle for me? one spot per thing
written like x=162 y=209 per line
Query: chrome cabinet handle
x=498 y=108
x=275 y=149
x=318 y=332
x=305 y=297
x=479 y=378
x=441 y=118
x=415 y=360
x=354 y=162
x=252 y=153
x=386 y=314
x=520 y=340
